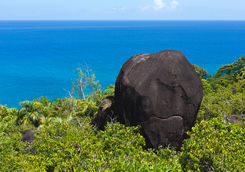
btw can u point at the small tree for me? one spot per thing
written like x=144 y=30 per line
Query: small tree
x=84 y=83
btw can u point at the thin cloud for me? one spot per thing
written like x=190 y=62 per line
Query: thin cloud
x=120 y=9
x=174 y=4
x=145 y=8
x=161 y=4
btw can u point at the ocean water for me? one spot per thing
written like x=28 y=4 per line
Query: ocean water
x=39 y=58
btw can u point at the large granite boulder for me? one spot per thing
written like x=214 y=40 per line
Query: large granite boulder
x=162 y=93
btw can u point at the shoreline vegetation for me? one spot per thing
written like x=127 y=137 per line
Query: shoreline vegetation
x=65 y=140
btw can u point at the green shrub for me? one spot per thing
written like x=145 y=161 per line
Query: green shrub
x=74 y=145
x=202 y=73
x=225 y=101
x=214 y=145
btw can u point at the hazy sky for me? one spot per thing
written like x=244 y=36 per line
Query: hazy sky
x=122 y=9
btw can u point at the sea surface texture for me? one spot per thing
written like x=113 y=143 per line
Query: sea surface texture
x=39 y=58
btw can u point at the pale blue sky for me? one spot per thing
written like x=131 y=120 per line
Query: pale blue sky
x=122 y=9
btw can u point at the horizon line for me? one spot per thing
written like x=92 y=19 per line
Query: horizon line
x=122 y=20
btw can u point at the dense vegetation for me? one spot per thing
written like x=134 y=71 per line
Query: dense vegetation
x=66 y=140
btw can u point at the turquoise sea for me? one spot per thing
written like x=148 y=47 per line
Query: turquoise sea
x=39 y=58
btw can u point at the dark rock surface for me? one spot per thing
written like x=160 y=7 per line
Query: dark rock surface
x=162 y=93
x=28 y=135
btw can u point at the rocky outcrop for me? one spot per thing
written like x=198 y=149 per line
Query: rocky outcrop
x=162 y=93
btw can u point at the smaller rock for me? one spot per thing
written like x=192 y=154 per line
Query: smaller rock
x=28 y=135
x=237 y=118
x=105 y=113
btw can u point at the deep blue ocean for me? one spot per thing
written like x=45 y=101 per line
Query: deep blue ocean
x=39 y=58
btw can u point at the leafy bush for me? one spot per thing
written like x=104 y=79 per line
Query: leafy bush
x=230 y=71
x=223 y=102
x=10 y=135
x=74 y=145
x=202 y=73
x=32 y=112
x=228 y=74
x=214 y=145
x=224 y=93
